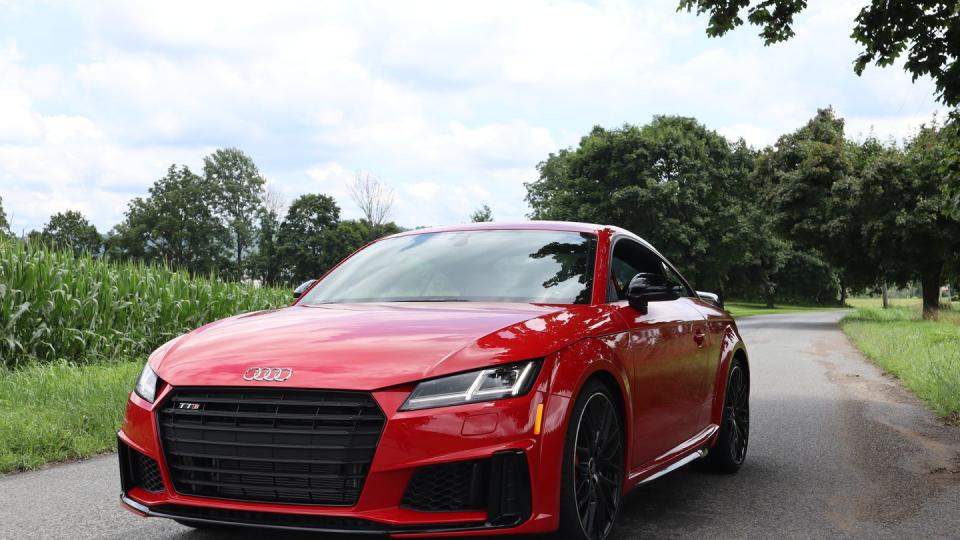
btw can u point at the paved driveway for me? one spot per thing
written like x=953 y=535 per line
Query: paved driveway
x=837 y=450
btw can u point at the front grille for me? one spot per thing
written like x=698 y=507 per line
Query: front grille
x=450 y=487
x=269 y=444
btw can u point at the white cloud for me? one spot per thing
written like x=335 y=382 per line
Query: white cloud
x=453 y=104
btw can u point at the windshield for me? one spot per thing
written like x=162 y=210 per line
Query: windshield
x=549 y=267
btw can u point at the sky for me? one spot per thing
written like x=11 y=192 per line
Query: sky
x=451 y=104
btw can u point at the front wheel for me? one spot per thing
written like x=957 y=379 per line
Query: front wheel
x=728 y=454
x=592 y=476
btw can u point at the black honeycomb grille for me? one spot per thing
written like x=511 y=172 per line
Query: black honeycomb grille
x=147 y=473
x=450 y=487
x=270 y=444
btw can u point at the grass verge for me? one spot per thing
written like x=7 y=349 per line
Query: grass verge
x=60 y=411
x=925 y=355
x=748 y=309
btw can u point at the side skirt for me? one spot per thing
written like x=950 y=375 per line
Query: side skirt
x=682 y=454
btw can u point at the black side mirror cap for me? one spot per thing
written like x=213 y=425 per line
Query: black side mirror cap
x=302 y=288
x=648 y=287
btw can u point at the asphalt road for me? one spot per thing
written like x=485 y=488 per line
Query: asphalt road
x=837 y=450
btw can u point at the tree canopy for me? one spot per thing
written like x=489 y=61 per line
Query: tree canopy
x=672 y=181
x=176 y=223
x=812 y=216
x=927 y=30
x=482 y=214
x=374 y=199
x=4 y=224
x=71 y=230
x=238 y=189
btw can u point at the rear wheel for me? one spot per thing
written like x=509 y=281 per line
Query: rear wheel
x=728 y=454
x=592 y=476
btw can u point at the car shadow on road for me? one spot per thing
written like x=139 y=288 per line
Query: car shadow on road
x=248 y=533
x=672 y=504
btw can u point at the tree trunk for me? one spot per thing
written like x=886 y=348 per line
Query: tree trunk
x=930 y=285
x=886 y=298
x=770 y=293
x=843 y=293
x=239 y=258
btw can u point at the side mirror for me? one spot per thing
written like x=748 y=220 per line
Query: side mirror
x=711 y=298
x=302 y=288
x=645 y=288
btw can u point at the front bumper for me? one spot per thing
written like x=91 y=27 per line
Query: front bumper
x=500 y=432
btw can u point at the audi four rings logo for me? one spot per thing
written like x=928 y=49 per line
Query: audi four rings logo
x=267 y=374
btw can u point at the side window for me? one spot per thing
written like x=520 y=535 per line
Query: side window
x=629 y=259
x=675 y=280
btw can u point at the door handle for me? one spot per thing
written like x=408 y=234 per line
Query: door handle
x=699 y=337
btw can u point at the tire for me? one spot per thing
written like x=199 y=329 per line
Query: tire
x=593 y=466
x=730 y=451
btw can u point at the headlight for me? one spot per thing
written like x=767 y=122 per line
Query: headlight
x=147 y=384
x=484 y=385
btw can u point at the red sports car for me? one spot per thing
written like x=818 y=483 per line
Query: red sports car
x=480 y=379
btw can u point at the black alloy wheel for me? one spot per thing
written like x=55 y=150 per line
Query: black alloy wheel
x=594 y=469
x=737 y=414
x=730 y=451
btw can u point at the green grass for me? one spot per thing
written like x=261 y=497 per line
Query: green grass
x=748 y=309
x=924 y=354
x=58 y=411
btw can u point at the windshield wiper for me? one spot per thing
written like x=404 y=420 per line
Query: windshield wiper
x=432 y=299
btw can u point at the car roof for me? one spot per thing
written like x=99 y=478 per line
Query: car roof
x=570 y=226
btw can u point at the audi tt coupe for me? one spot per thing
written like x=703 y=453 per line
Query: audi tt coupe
x=481 y=379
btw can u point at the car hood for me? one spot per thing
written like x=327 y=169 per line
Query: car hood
x=371 y=346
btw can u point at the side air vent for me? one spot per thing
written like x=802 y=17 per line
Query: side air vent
x=450 y=487
x=499 y=485
x=138 y=470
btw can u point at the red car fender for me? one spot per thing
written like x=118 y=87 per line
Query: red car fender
x=732 y=345
x=570 y=369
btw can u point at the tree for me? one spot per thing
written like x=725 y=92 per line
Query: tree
x=239 y=189
x=757 y=273
x=274 y=200
x=373 y=197
x=482 y=214
x=950 y=166
x=268 y=263
x=70 y=230
x=805 y=167
x=927 y=29
x=907 y=224
x=866 y=269
x=4 y=224
x=176 y=224
x=673 y=181
x=302 y=238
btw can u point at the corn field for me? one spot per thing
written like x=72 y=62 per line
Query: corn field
x=54 y=306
